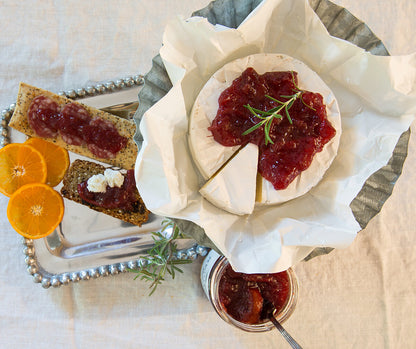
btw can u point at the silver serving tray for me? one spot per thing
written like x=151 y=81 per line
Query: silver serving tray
x=91 y=245
x=88 y=244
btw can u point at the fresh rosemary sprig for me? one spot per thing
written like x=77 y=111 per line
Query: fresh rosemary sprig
x=161 y=258
x=267 y=117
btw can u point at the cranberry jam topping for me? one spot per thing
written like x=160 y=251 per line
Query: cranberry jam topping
x=124 y=197
x=99 y=132
x=294 y=140
x=72 y=120
x=251 y=298
x=76 y=127
x=43 y=117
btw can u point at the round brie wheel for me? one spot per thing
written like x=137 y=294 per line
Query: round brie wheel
x=209 y=155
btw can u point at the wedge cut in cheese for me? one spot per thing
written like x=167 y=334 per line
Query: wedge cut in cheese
x=210 y=155
x=233 y=187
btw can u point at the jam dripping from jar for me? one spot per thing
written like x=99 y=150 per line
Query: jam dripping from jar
x=125 y=197
x=295 y=140
x=252 y=298
x=75 y=126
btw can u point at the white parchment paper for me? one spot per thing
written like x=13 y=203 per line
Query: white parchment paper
x=377 y=100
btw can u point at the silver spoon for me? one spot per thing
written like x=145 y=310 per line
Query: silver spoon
x=284 y=333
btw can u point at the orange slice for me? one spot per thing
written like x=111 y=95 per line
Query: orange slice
x=20 y=164
x=56 y=157
x=35 y=210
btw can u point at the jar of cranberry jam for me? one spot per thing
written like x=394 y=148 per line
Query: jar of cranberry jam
x=248 y=300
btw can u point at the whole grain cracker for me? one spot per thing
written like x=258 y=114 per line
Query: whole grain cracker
x=125 y=158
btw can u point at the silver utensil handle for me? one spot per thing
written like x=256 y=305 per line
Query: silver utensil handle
x=285 y=334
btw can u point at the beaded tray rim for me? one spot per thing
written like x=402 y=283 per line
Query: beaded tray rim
x=34 y=268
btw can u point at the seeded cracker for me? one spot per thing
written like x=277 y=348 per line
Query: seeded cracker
x=82 y=170
x=125 y=158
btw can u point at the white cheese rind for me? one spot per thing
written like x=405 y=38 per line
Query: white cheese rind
x=233 y=187
x=209 y=155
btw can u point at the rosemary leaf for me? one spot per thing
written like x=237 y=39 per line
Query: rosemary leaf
x=305 y=104
x=267 y=132
x=251 y=129
x=259 y=113
x=276 y=100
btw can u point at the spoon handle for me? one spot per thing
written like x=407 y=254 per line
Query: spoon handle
x=285 y=334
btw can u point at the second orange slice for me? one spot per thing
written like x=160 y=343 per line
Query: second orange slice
x=56 y=157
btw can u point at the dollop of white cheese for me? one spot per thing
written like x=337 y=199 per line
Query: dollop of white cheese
x=113 y=178
x=97 y=184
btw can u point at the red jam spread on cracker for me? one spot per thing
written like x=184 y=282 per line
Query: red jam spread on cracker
x=76 y=127
x=124 y=197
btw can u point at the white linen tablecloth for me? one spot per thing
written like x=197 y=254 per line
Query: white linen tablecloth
x=359 y=297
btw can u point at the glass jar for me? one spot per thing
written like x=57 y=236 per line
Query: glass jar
x=212 y=270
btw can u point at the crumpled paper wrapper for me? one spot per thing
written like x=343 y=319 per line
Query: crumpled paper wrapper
x=377 y=100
